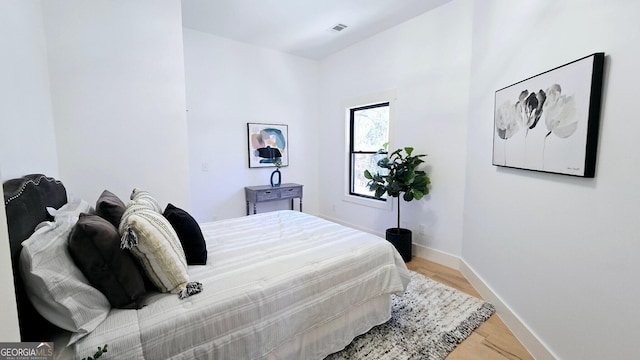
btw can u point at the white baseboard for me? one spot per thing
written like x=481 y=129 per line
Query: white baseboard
x=436 y=256
x=528 y=339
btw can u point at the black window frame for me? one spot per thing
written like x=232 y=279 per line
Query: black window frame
x=352 y=152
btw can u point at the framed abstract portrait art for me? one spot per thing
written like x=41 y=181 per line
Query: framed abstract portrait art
x=268 y=145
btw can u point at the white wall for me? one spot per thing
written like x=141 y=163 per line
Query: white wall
x=426 y=62
x=27 y=138
x=9 y=327
x=102 y=107
x=559 y=251
x=228 y=85
x=117 y=86
x=28 y=141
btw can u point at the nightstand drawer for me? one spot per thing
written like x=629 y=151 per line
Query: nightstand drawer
x=290 y=193
x=268 y=194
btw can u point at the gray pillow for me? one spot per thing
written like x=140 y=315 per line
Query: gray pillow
x=110 y=207
x=94 y=245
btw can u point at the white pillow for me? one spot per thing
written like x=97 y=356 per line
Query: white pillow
x=144 y=198
x=73 y=207
x=55 y=286
x=154 y=242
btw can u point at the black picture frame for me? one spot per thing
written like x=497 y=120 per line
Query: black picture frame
x=550 y=121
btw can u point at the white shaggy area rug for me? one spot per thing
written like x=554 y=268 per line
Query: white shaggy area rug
x=427 y=323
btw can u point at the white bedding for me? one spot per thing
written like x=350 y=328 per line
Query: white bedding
x=273 y=283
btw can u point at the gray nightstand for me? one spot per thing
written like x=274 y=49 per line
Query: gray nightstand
x=256 y=194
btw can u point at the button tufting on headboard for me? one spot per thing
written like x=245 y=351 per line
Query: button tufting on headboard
x=26 y=200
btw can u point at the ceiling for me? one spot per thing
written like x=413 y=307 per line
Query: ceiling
x=300 y=27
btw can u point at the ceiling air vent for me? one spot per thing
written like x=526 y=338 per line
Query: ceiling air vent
x=339 y=27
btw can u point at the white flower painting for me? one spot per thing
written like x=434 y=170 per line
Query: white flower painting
x=550 y=122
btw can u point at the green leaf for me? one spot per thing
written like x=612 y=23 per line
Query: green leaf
x=396 y=153
x=383 y=163
x=408 y=150
x=409 y=177
x=98 y=353
x=367 y=175
x=420 y=181
x=408 y=196
x=395 y=186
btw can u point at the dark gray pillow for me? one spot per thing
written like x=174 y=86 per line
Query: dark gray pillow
x=94 y=244
x=110 y=207
x=189 y=233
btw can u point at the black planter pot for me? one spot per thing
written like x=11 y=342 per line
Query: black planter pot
x=401 y=239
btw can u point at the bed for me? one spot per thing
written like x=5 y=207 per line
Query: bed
x=277 y=285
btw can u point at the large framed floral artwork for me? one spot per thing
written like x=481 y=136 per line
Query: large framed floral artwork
x=549 y=122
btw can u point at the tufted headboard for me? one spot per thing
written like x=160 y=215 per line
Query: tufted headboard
x=26 y=200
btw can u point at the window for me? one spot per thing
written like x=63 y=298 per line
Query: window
x=368 y=132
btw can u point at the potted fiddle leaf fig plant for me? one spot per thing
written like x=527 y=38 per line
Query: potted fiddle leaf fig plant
x=399 y=177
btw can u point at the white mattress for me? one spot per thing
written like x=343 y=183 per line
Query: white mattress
x=269 y=278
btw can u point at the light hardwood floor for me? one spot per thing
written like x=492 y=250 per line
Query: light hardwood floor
x=492 y=340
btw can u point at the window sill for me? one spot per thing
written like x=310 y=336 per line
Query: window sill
x=385 y=205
